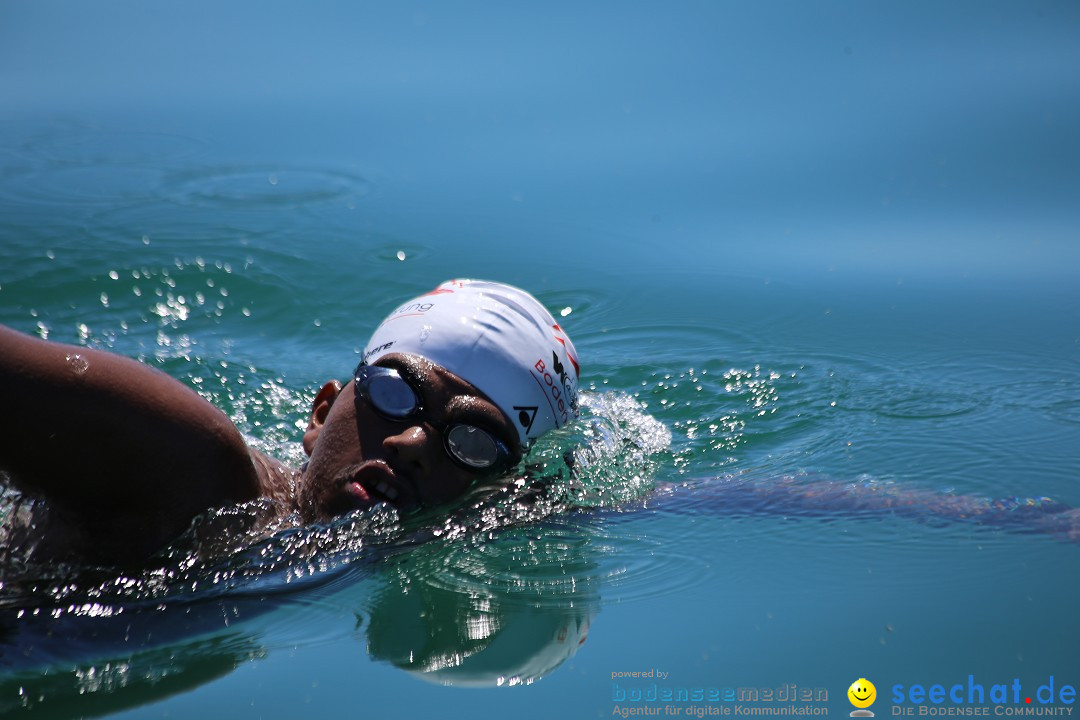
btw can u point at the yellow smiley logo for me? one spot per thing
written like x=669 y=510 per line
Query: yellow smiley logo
x=862 y=693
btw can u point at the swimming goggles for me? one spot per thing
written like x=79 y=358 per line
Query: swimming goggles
x=397 y=400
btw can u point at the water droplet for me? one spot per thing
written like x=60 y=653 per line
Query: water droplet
x=566 y=311
x=145 y=239
x=105 y=299
x=400 y=254
x=272 y=179
x=245 y=312
x=114 y=275
x=50 y=254
x=78 y=363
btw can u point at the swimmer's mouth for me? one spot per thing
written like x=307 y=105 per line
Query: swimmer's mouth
x=374 y=482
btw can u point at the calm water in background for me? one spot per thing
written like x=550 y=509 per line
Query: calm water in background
x=837 y=241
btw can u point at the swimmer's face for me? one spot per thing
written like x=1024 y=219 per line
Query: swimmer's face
x=360 y=458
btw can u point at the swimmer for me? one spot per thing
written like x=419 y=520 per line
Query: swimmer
x=452 y=387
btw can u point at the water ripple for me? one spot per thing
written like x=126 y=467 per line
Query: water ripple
x=89 y=146
x=639 y=560
x=903 y=396
x=80 y=185
x=262 y=186
x=1056 y=399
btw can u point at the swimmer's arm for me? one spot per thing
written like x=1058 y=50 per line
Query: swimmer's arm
x=809 y=496
x=106 y=438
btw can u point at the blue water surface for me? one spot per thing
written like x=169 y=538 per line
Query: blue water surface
x=802 y=248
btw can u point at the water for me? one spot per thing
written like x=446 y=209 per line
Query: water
x=823 y=246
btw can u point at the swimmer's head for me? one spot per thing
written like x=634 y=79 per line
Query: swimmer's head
x=472 y=371
x=497 y=337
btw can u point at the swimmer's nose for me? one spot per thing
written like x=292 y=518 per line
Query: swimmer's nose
x=411 y=449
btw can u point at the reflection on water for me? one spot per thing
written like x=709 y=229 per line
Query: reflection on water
x=503 y=611
x=500 y=591
x=504 y=608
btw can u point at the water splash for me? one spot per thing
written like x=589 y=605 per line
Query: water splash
x=607 y=458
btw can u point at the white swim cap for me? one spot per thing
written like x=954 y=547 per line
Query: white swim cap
x=496 y=337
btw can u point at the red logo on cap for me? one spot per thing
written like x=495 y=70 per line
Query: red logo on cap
x=560 y=336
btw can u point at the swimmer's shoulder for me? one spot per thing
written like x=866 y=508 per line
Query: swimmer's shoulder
x=277 y=481
x=122 y=451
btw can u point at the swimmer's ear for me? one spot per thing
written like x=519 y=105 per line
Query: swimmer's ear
x=320 y=408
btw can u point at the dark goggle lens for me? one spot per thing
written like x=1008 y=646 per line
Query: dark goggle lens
x=472 y=446
x=390 y=393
